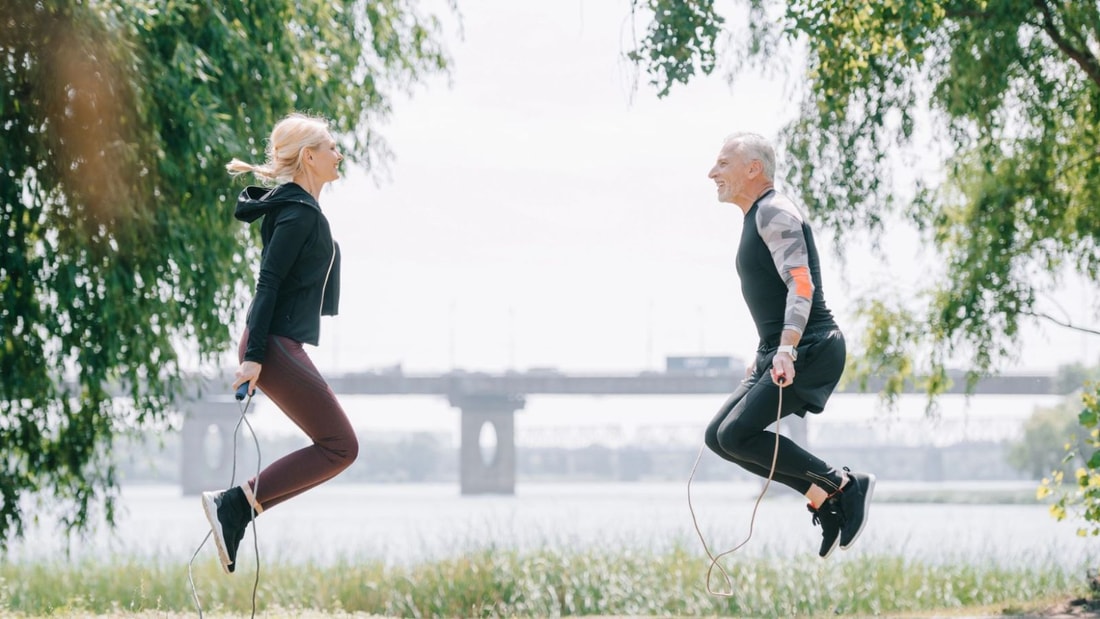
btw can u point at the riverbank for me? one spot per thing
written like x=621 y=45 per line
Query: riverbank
x=542 y=583
x=560 y=549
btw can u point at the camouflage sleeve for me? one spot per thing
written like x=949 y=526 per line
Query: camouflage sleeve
x=780 y=226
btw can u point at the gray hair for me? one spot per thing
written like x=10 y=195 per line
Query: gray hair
x=754 y=146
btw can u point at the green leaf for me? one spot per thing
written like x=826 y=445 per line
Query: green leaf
x=1087 y=418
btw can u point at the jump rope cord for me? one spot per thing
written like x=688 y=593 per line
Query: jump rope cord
x=255 y=491
x=752 y=521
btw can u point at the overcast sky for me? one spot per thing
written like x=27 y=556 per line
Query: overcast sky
x=539 y=214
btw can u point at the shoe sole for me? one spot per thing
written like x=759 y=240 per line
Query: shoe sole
x=866 y=510
x=211 y=511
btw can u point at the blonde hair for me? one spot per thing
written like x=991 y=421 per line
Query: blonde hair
x=290 y=137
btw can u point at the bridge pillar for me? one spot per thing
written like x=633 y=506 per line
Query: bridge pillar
x=206 y=461
x=494 y=471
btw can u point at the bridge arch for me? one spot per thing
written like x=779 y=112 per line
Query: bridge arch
x=478 y=474
x=207 y=465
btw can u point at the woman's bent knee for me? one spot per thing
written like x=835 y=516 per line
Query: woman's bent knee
x=341 y=451
x=348 y=451
x=352 y=450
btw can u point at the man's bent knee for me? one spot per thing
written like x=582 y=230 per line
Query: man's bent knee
x=734 y=438
x=710 y=438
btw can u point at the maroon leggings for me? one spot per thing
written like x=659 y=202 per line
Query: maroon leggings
x=290 y=380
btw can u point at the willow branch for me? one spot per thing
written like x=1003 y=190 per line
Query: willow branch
x=1067 y=325
x=1085 y=60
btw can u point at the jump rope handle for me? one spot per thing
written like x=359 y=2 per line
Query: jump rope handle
x=242 y=391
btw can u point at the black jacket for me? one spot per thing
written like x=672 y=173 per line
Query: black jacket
x=299 y=268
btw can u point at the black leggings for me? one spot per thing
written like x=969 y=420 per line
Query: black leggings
x=737 y=433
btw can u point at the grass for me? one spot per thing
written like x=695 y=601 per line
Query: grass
x=490 y=583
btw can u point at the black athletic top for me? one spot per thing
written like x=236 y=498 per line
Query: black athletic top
x=299 y=269
x=780 y=273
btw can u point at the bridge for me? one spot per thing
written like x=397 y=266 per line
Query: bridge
x=490 y=400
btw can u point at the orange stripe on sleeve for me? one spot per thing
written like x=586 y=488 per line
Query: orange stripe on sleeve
x=803 y=287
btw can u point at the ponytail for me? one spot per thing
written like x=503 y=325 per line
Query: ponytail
x=289 y=139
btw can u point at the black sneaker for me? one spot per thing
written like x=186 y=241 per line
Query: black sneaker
x=229 y=514
x=855 y=503
x=832 y=521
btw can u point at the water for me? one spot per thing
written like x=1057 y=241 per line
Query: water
x=404 y=523
x=409 y=523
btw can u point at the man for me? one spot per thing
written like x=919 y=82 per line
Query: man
x=801 y=350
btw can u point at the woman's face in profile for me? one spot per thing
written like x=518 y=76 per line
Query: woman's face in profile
x=324 y=161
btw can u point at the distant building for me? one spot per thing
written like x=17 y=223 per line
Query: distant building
x=700 y=364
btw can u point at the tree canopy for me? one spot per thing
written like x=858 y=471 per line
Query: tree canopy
x=117 y=243
x=1010 y=88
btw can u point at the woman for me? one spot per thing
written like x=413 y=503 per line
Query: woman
x=299 y=282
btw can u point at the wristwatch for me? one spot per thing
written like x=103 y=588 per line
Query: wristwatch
x=790 y=350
